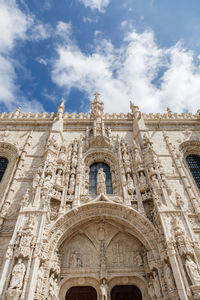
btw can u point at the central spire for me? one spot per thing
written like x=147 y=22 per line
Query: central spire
x=97 y=108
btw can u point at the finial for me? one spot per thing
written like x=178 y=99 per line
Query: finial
x=96 y=95
x=135 y=110
x=61 y=109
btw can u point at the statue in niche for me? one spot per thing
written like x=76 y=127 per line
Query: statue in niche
x=74 y=160
x=101 y=179
x=104 y=290
x=75 y=260
x=25 y=199
x=126 y=156
x=5 y=208
x=18 y=273
x=130 y=185
x=155 y=182
x=142 y=179
x=52 y=143
x=156 y=284
x=53 y=288
x=137 y=156
x=39 y=286
x=48 y=181
x=59 y=178
x=36 y=180
x=71 y=185
x=62 y=155
x=139 y=260
x=192 y=270
x=151 y=290
x=168 y=276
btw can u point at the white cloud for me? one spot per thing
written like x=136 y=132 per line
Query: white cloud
x=14 y=25
x=139 y=70
x=63 y=30
x=96 y=4
x=40 y=31
x=90 y=20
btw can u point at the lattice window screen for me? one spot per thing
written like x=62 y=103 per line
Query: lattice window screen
x=193 y=162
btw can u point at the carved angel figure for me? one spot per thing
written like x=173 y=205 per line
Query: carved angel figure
x=17 y=275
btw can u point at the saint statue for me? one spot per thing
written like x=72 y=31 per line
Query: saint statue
x=101 y=179
x=53 y=288
x=168 y=276
x=71 y=185
x=130 y=185
x=17 y=275
x=104 y=290
x=192 y=270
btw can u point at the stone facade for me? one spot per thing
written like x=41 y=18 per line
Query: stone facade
x=56 y=233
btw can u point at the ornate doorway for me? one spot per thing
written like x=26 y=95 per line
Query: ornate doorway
x=126 y=292
x=81 y=293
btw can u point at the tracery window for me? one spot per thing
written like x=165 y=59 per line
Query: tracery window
x=193 y=162
x=3 y=166
x=93 y=177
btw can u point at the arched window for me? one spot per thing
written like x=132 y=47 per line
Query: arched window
x=93 y=178
x=193 y=162
x=3 y=166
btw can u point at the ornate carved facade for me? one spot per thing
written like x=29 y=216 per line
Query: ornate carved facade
x=94 y=204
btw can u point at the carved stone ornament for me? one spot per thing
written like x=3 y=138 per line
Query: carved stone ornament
x=192 y=270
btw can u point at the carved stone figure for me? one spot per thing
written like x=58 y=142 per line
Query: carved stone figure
x=5 y=208
x=25 y=199
x=130 y=185
x=168 y=276
x=48 y=181
x=71 y=185
x=53 y=288
x=104 y=290
x=40 y=279
x=192 y=270
x=18 y=273
x=156 y=284
x=59 y=178
x=101 y=185
x=52 y=143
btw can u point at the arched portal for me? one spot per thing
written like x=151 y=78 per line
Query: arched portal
x=81 y=293
x=103 y=238
x=126 y=292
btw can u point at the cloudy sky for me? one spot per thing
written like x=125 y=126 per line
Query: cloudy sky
x=142 y=50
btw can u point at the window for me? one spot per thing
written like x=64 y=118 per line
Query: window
x=193 y=162
x=93 y=178
x=3 y=166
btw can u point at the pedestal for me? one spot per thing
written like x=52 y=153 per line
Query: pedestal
x=13 y=294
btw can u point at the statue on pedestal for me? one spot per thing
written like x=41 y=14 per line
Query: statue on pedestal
x=104 y=290
x=101 y=179
x=18 y=273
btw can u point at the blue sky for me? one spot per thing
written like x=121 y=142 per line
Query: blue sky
x=147 y=51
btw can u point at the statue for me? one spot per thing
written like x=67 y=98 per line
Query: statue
x=192 y=270
x=25 y=199
x=40 y=279
x=130 y=185
x=71 y=185
x=168 y=276
x=53 y=288
x=59 y=180
x=104 y=290
x=17 y=275
x=5 y=208
x=47 y=181
x=156 y=284
x=101 y=185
